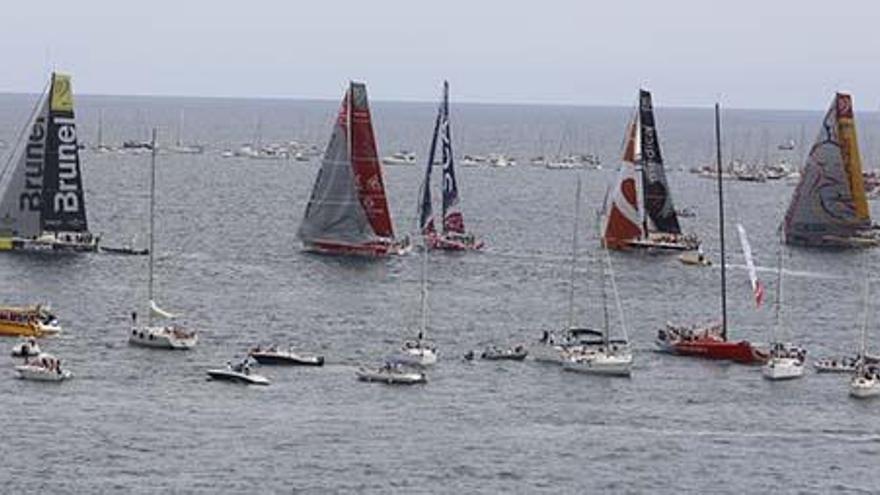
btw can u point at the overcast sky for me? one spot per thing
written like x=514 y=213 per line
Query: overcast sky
x=754 y=53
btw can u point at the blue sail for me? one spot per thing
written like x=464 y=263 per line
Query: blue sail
x=453 y=221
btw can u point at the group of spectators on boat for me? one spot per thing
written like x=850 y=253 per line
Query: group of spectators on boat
x=686 y=333
x=780 y=350
x=46 y=362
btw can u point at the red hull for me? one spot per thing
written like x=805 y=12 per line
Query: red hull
x=450 y=244
x=711 y=347
x=369 y=250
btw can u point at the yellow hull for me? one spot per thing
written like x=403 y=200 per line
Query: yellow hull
x=11 y=329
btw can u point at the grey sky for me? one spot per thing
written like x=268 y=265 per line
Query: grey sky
x=756 y=53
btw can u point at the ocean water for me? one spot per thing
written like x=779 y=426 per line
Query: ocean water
x=140 y=421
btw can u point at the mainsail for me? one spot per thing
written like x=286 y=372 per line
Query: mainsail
x=658 y=200
x=348 y=203
x=453 y=221
x=41 y=187
x=829 y=203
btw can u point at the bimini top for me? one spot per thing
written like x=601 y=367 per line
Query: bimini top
x=829 y=203
x=41 y=186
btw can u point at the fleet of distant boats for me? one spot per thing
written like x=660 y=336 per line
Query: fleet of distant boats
x=42 y=206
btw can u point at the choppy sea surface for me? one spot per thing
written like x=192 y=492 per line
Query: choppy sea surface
x=141 y=421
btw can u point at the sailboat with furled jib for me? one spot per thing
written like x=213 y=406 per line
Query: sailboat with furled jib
x=348 y=212
x=454 y=237
x=829 y=207
x=42 y=203
x=638 y=212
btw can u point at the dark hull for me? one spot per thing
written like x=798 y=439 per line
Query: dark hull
x=287 y=360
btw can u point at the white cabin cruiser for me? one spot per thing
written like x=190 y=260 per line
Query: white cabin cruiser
x=26 y=348
x=391 y=374
x=402 y=157
x=866 y=383
x=416 y=353
x=163 y=337
x=238 y=373
x=786 y=362
x=613 y=361
x=273 y=355
x=43 y=368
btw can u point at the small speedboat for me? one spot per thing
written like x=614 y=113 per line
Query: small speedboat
x=866 y=383
x=391 y=374
x=124 y=250
x=837 y=365
x=493 y=353
x=416 y=353
x=694 y=258
x=43 y=368
x=26 y=348
x=238 y=373
x=288 y=357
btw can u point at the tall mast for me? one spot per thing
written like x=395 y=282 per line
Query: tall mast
x=778 y=310
x=101 y=129
x=643 y=162
x=721 y=222
x=424 y=291
x=864 y=346
x=605 y=329
x=574 y=248
x=152 y=222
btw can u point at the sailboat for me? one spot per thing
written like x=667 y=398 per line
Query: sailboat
x=179 y=147
x=419 y=352
x=454 y=237
x=865 y=382
x=638 y=212
x=347 y=213
x=101 y=147
x=165 y=336
x=711 y=341
x=829 y=207
x=786 y=360
x=607 y=357
x=42 y=203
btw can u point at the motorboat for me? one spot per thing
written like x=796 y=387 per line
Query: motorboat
x=494 y=353
x=238 y=373
x=865 y=383
x=28 y=321
x=783 y=368
x=391 y=374
x=43 y=368
x=402 y=157
x=416 y=353
x=171 y=336
x=272 y=355
x=613 y=361
x=708 y=343
x=837 y=365
x=26 y=348
x=694 y=258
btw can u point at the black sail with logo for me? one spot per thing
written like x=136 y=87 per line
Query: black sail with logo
x=658 y=201
x=64 y=208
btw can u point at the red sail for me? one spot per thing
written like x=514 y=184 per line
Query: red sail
x=622 y=212
x=365 y=163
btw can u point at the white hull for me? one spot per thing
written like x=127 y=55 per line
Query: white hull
x=600 y=363
x=547 y=353
x=864 y=388
x=237 y=377
x=417 y=356
x=161 y=338
x=782 y=369
x=391 y=377
x=41 y=374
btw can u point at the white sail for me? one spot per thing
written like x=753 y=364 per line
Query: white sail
x=157 y=311
x=757 y=286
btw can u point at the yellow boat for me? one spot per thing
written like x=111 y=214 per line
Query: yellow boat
x=28 y=321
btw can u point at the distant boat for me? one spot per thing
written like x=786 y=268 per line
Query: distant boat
x=419 y=352
x=453 y=237
x=638 y=211
x=165 y=336
x=347 y=212
x=865 y=382
x=402 y=157
x=786 y=145
x=829 y=207
x=28 y=321
x=42 y=201
x=179 y=146
x=101 y=147
x=711 y=341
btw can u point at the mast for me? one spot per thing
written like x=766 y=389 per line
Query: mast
x=101 y=129
x=605 y=330
x=152 y=222
x=864 y=347
x=778 y=309
x=574 y=246
x=424 y=291
x=180 y=131
x=721 y=222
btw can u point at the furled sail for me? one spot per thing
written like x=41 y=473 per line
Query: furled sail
x=334 y=212
x=829 y=203
x=365 y=163
x=41 y=188
x=658 y=200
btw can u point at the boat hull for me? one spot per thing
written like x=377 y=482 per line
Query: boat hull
x=40 y=374
x=161 y=338
x=601 y=364
x=416 y=357
x=782 y=369
x=447 y=243
x=366 y=250
x=864 y=388
x=710 y=347
x=268 y=358
x=237 y=377
x=391 y=377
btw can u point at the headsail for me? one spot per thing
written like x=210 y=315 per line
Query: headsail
x=21 y=182
x=334 y=212
x=621 y=222
x=829 y=201
x=757 y=285
x=658 y=200
x=365 y=163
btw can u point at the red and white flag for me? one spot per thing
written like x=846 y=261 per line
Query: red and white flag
x=757 y=285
